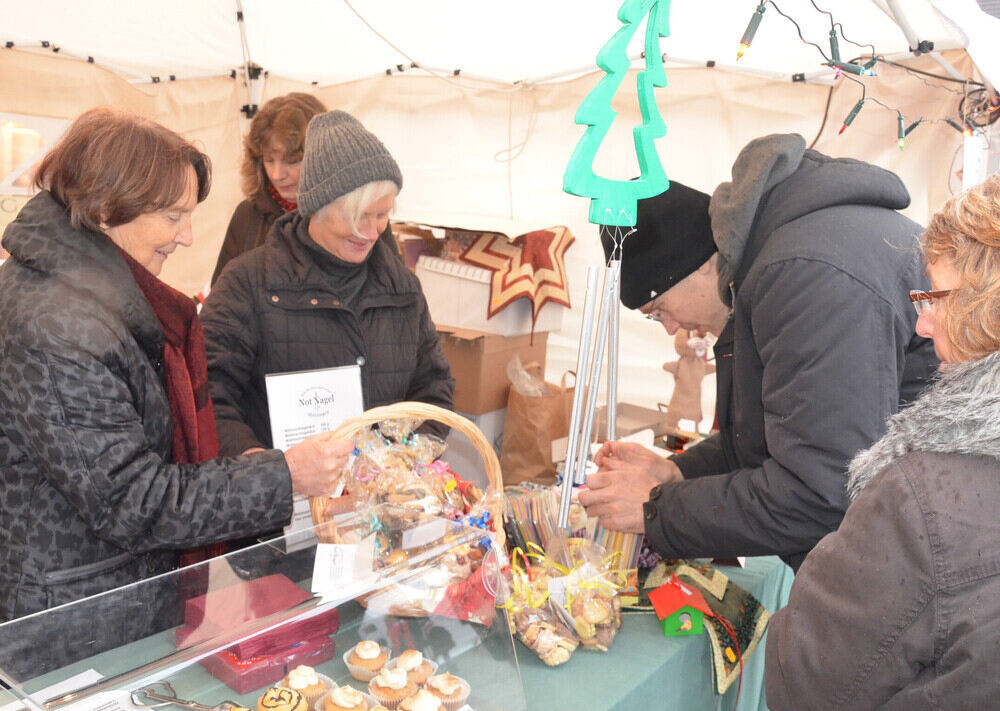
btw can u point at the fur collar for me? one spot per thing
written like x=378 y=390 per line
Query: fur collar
x=958 y=414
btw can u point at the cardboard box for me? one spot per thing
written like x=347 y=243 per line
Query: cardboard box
x=479 y=364
x=458 y=296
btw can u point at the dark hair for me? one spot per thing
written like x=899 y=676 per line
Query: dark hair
x=112 y=166
x=284 y=118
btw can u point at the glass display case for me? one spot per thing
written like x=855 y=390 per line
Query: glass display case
x=220 y=633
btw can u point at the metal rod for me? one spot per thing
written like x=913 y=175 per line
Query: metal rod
x=614 y=275
x=596 y=369
x=582 y=357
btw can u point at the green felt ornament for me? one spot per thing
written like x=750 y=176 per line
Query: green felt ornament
x=613 y=202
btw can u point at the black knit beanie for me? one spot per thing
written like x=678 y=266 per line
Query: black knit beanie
x=673 y=238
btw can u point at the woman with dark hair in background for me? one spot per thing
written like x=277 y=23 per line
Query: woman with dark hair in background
x=270 y=171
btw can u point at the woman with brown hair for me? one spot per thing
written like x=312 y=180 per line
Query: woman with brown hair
x=900 y=607
x=271 y=162
x=108 y=449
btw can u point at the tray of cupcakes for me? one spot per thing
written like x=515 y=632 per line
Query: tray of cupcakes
x=408 y=682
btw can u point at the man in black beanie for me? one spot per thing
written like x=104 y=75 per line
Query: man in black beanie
x=803 y=266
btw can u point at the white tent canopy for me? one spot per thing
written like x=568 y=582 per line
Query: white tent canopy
x=494 y=139
x=518 y=40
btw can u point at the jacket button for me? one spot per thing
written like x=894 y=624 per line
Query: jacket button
x=314 y=301
x=648 y=511
x=360 y=360
x=274 y=298
x=654 y=493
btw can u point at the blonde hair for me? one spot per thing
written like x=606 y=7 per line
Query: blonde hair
x=352 y=205
x=966 y=232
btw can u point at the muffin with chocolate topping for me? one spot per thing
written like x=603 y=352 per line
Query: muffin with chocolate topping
x=280 y=698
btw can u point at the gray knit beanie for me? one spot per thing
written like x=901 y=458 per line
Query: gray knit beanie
x=340 y=155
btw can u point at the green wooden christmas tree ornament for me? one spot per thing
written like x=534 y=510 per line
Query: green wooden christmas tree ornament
x=613 y=202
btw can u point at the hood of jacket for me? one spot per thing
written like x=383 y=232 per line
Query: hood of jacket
x=777 y=180
x=958 y=414
x=43 y=239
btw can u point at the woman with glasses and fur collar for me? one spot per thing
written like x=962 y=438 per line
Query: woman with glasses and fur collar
x=900 y=607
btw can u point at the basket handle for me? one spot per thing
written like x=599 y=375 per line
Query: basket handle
x=321 y=507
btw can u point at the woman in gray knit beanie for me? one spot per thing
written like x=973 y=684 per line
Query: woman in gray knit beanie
x=899 y=607
x=323 y=291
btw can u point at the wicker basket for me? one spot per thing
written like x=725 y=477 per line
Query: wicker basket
x=322 y=506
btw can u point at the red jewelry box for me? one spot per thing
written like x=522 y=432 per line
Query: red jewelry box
x=246 y=675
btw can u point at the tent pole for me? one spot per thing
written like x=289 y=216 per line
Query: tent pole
x=914 y=41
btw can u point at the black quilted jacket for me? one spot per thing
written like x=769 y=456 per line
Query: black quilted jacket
x=273 y=310
x=89 y=498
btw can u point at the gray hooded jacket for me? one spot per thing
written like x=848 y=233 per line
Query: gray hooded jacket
x=899 y=608
x=818 y=352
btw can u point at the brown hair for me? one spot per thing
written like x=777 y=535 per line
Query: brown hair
x=112 y=166
x=284 y=118
x=966 y=232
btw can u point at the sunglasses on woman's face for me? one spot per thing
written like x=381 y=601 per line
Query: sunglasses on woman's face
x=923 y=301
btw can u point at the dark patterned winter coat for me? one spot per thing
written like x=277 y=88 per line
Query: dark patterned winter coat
x=89 y=498
x=274 y=310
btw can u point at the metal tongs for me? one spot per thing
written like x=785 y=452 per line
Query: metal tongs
x=161 y=693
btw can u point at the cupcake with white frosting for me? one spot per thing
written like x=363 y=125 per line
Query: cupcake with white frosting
x=418 y=670
x=423 y=700
x=365 y=659
x=307 y=682
x=345 y=698
x=390 y=686
x=452 y=690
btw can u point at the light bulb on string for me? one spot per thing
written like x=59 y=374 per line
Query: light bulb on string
x=852 y=68
x=900 y=131
x=966 y=131
x=851 y=116
x=750 y=31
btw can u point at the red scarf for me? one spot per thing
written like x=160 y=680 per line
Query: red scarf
x=195 y=438
x=286 y=205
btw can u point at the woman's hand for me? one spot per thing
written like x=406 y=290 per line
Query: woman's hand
x=317 y=463
x=629 y=455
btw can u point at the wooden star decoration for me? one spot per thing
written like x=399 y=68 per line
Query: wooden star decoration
x=530 y=266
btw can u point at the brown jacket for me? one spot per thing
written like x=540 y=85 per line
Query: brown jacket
x=247 y=229
x=900 y=607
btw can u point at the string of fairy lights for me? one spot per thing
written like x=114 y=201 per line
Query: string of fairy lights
x=978 y=108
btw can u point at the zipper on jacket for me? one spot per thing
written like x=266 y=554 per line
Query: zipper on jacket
x=69 y=575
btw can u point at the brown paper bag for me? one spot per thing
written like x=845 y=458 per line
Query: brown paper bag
x=532 y=423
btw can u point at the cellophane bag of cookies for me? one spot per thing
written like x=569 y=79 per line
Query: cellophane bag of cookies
x=589 y=595
x=531 y=612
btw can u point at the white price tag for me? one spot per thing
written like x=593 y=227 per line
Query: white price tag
x=343 y=570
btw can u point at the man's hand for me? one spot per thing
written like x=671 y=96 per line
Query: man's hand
x=616 y=497
x=628 y=455
x=317 y=463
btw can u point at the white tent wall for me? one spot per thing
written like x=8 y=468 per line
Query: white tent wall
x=446 y=136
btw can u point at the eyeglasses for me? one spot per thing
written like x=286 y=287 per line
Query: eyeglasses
x=655 y=315
x=923 y=301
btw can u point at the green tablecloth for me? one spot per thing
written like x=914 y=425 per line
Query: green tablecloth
x=645 y=670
